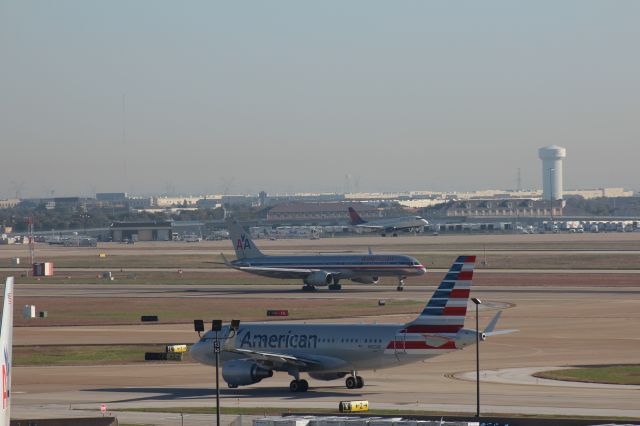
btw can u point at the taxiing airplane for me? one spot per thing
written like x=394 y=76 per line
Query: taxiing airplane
x=320 y=270
x=6 y=345
x=334 y=351
x=390 y=225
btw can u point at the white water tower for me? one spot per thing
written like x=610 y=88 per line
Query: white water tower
x=551 y=157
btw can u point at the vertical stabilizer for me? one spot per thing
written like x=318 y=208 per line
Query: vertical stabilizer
x=355 y=217
x=445 y=311
x=241 y=240
x=6 y=345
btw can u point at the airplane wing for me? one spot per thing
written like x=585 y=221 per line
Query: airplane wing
x=364 y=225
x=276 y=360
x=283 y=272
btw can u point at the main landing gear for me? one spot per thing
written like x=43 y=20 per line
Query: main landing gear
x=308 y=287
x=299 y=386
x=401 y=284
x=296 y=384
x=354 y=381
x=335 y=286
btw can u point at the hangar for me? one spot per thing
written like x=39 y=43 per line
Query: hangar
x=141 y=231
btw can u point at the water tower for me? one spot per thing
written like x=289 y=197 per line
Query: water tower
x=551 y=157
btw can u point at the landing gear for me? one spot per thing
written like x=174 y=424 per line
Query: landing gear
x=354 y=382
x=232 y=386
x=335 y=286
x=299 y=386
x=308 y=287
x=400 y=284
x=395 y=234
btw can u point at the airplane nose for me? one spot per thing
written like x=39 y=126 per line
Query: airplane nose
x=199 y=352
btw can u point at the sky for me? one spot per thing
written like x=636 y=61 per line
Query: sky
x=297 y=96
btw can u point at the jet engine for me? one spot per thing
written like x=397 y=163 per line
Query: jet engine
x=319 y=278
x=327 y=376
x=466 y=337
x=366 y=280
x=242 y=372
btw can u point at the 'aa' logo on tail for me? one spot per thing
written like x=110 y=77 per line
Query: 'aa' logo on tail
x=243 y=243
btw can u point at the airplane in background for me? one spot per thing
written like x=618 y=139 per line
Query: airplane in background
x=390 y=225
x=6 y=345
x=333 y=351
x=320 y=270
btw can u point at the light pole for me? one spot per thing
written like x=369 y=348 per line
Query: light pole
x=216 y=326
x=551 y=195
x=477 y=303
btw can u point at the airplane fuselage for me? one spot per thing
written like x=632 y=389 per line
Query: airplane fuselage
x=341 y=347
x=347 y=266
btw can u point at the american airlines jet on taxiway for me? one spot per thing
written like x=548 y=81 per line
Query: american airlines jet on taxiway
x=334 y=351
x=320 y=270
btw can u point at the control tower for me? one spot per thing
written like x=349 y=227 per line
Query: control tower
x=551 y=157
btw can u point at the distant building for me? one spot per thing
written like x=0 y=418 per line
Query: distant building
x=9 y=203
x=139 y=202
x=141 y=231
x=111 y=196
x=311 y=213
x=509 y=207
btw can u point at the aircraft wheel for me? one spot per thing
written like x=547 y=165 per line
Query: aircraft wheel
x=395 y=234
x=383 y=235
x=359 y=382
x=308 y=288
x=335 y=287
x=399 y=288
x=351 y=382
x=232 y=386
x=298 y=386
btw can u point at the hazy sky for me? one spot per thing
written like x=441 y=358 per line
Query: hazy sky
x=294 y=95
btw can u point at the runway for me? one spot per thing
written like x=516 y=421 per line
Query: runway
x=558 y=326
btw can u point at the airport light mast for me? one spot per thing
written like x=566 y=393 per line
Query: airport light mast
x=216 y=326
x=477 y=302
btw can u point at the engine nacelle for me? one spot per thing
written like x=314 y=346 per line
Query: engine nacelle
x=241 y=372
x=366 y=280
x=319 y=278
x=327 y=376
x=466 y=337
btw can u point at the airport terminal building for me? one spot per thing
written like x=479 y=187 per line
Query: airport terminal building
x=141 y=231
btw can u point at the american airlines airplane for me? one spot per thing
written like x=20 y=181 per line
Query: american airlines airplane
x=6 y=345
x=320 y=270
x=334 y=351
x=391 y=225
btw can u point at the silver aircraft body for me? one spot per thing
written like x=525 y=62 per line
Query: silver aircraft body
x=389 y=225
x=333 y=351
x=320 y=270
x=6 y=346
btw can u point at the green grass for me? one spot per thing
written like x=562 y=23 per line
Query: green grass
x=610 y=374
x=82 y=355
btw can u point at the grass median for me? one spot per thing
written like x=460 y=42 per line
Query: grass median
x=609 y=374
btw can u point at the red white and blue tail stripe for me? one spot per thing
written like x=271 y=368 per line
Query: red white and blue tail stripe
x=443 y=316
x=445 y=311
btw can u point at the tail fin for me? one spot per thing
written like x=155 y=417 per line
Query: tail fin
x=6 y=346
x=355 y=217
x=445 y=311
x=242 y=243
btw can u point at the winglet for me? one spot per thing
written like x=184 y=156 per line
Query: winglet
x=489 y=331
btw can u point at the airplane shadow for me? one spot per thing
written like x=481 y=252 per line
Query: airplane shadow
x=179 y=393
